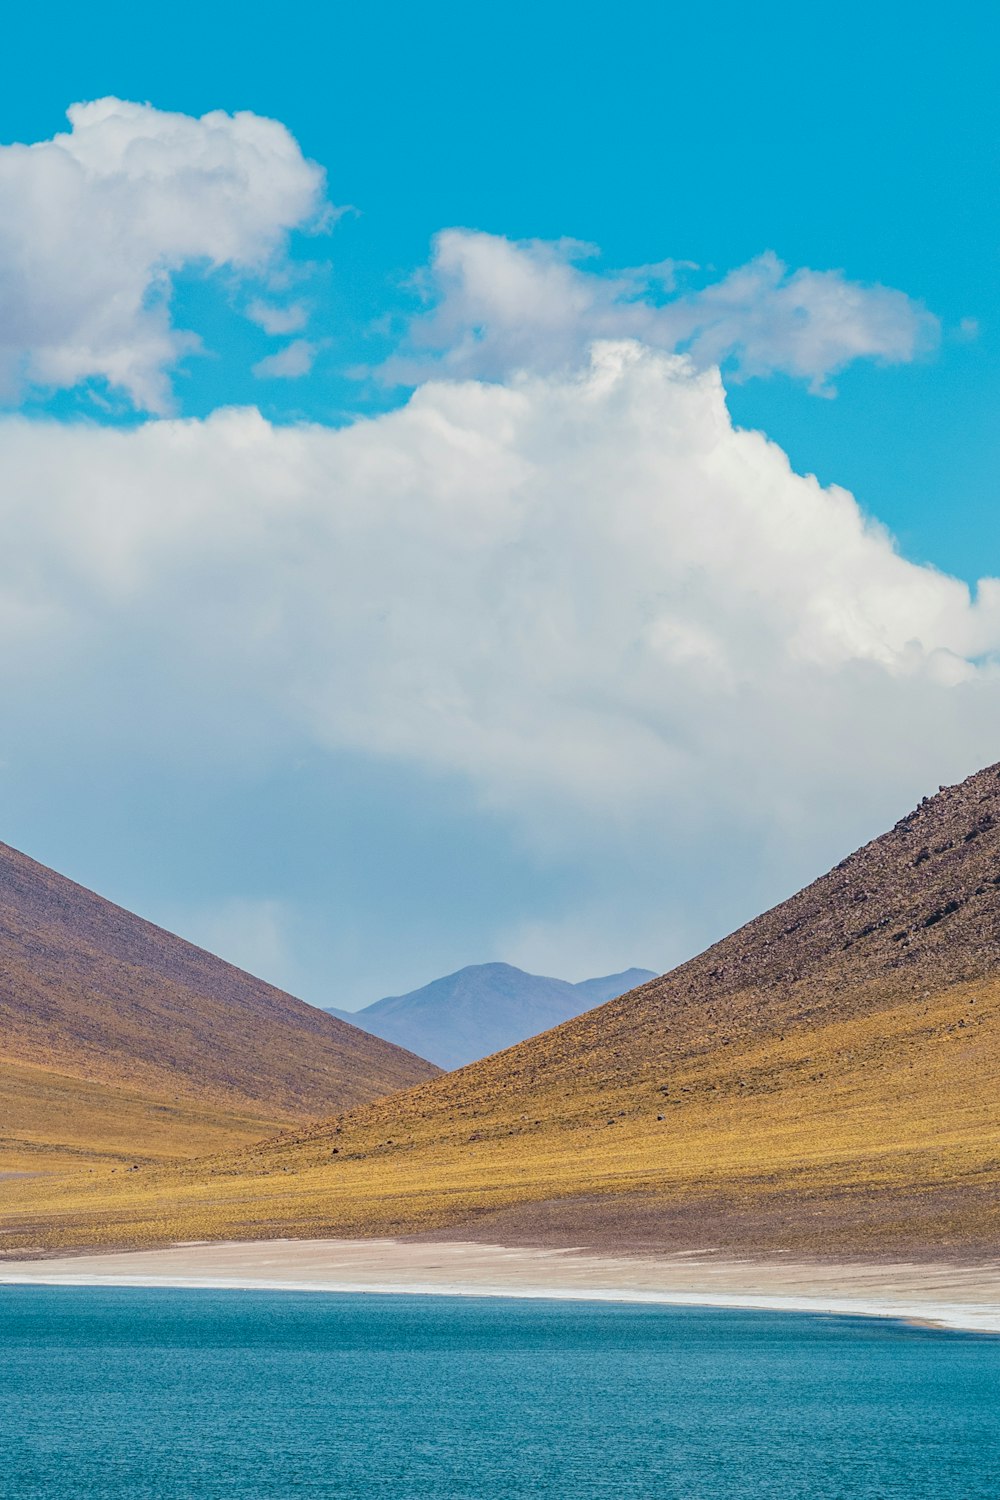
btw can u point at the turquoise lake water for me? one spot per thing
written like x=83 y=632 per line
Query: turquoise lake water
x=201 y=1394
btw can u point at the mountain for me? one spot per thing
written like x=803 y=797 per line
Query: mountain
x=116 y=1036
x=823 y=1081
x=482 y=1009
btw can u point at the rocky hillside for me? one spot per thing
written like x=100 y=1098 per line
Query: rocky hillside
x=92 y=994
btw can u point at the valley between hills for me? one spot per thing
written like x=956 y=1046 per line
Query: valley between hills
x=822 y=1082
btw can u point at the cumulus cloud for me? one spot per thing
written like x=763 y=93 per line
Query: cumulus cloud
x=290 y=363
x=497 y=306
x=96 y=221
x=624 y=622
x=275 y=318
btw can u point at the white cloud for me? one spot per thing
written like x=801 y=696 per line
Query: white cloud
x=275 y=319
x=631 y=628
x=94 y=223
x=290 y=363
x=498 y=306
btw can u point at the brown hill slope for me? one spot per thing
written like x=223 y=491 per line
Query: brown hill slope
x=115 y=1031
x=824 y=1079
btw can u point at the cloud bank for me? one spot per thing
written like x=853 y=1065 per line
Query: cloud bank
x=95 y=222
x=617 y=617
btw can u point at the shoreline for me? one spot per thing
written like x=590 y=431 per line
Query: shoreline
x=946 y=1318
x=938 y=1295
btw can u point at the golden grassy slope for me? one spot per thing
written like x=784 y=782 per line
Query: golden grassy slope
x=51 y=1122
x=875 y=1133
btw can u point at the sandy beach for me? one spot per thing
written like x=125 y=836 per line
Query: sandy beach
x=940 y=1294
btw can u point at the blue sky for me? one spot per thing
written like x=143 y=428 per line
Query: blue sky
x=348 y=852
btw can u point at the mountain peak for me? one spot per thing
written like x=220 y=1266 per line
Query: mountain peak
x=484 y=1008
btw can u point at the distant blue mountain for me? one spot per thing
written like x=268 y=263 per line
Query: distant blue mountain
x=482 y=1009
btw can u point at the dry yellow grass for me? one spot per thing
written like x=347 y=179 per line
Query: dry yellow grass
x=50 y=1122
x=828 y=1139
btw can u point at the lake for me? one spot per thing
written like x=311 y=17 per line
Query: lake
x=180 y=1395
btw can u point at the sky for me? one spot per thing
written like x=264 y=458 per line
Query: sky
x=491 y=485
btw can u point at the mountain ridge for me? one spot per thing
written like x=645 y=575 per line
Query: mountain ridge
x=483 y=1008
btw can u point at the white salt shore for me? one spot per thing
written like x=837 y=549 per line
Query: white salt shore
x=941 y=1294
